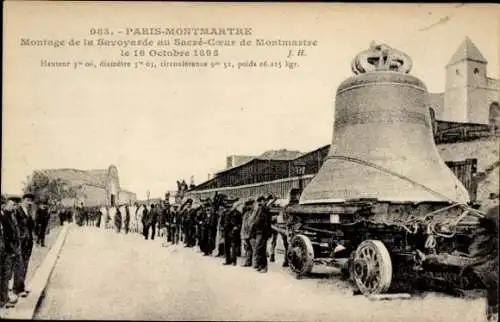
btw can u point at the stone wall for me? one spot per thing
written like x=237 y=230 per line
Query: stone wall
x=94 y=196
x=126 y=197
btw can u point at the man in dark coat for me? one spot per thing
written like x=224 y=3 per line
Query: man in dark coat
x=174 y=224
x=185 y=221
x=13 y=255
x=261 y=228
x=145 y=221
x=151 y=222
x=212 y=222
x=221 y=212
x=26 y=228
x=246 y=228
x=484 y=250
x=118 y=220
x=98 y=216
x=192 y=226
x=232 y=232
x=162 y=223
x=167 y=221
x=200 y=227
x=202 y=219
x=62 y=213
x=41 y=222
x=86 y=215
x=189 y=223
x=126 y=221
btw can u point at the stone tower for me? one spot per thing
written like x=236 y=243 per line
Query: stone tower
x=466 y=92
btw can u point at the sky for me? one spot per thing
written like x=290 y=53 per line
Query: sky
x=161 y=125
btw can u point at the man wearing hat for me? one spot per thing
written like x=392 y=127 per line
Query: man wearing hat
x=186 y=224
x=172 y=223
x=232 y=232
x=26 y=228
x=41 y=222
x=261 y=231
x=12 y=251
x=246 y=228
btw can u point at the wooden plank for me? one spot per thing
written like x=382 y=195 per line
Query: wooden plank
x=390 y=297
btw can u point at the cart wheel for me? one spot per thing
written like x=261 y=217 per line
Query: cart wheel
x=300 y=255
x=371 y=267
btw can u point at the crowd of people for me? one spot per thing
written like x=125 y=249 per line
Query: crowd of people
x=230 y=227
x=23 y=223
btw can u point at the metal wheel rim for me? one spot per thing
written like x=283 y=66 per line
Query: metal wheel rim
x=299 y=259
x=372 y=267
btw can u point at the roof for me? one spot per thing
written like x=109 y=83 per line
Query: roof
x=79 y=177
x=326 y=146
x=236 y=160
x=493 y=83
x=467 y=51
x=244 y=164
x=271 y=155
x=282 y=154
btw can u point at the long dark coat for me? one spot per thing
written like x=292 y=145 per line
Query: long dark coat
x=11 y=232
x=484 y=248
x=118 y=219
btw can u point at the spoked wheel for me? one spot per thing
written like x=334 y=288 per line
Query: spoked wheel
x=300 y=255
x=371 y=267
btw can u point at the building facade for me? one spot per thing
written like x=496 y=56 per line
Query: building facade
x=94 y=187
x=470 y=95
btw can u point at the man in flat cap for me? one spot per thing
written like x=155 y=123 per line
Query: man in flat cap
x=26 y=228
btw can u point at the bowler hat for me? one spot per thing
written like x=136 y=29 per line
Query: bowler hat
x=14 y=198
x=261 y=198
x=29 y=195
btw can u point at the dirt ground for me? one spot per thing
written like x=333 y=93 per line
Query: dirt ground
x=104 y=275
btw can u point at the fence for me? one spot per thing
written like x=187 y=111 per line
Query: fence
x=449 y=132
x=466 y=171
x=278 y=188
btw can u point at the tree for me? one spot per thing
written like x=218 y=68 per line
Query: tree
x=53 y=190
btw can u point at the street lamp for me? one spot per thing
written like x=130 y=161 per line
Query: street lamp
x=300 y=169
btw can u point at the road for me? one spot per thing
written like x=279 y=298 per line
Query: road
x=101 y=275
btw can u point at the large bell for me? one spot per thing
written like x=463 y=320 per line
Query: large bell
x=383 y=144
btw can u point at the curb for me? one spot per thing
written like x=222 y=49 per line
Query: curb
x=25 y=308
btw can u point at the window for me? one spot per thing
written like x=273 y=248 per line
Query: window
x=476 y=71
x=457 y=72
